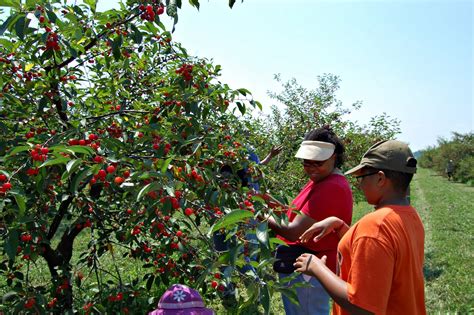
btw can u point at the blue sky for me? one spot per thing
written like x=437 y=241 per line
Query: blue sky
x=411 y=59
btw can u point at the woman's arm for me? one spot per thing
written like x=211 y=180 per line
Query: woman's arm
x=293 y=230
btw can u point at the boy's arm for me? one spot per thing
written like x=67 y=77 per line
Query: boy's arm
x=324 y=227
x=335 y=286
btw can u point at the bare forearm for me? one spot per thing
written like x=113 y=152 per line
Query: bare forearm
x=290 y=231
x=266 y=159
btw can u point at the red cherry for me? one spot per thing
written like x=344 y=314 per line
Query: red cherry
x=31 y=302
x=41 y=19
x=188 y=211
x=44 y=150
x=3 y=177
x=118 y=180
x=7 y=186
x=179 y=234
x=102 y=174
x=214 y=284
x=110 y=169
x=82 y=142
x=126 y=174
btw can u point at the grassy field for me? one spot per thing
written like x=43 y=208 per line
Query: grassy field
x=447 y=212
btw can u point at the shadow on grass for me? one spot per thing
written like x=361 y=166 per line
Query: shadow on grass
x=431 y=270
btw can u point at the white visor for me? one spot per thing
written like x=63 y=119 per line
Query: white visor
x=315 y=150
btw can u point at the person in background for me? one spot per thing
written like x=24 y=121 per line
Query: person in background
x=380 y=258
x=327 y=193
x=450 y=169
x=246 y=178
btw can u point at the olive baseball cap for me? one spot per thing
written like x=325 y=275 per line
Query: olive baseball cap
x=390 y=155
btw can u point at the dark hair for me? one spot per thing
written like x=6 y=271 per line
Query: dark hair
x=400 y=181
x=325 y=134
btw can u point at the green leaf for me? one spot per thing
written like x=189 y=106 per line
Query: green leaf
x=258 y=198
x=244 y=92
x=165 y=165
x=51 y=16
x=172 y=9
x=73 y=149
x=71 y=167
x=5 y=43
x=92 y=4
x=20 y=27
x=265 y=298
x=12 y=243
x=262 y=233
x=194 y=3
x=80 y=177
x=230 y=219
x=20 y=201
x=150 y=187
x=18 y=150
x=149 y=282
x=5 y=24
x=10 y=3
x=116 y=45
x=59 y=160
x=241 y=107
x=275 y=240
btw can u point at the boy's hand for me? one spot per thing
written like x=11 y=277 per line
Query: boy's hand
x=306 y=263
x=323 y=228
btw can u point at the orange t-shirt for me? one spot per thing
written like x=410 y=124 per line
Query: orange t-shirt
x=381 y=259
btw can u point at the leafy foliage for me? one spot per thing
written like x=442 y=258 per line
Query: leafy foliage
x=302 y=110
x=460 y=149
x=113 y=134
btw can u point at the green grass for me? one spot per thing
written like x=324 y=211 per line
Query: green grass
x=447 y=212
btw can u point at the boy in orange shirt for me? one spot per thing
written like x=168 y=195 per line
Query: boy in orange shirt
x=380 y=258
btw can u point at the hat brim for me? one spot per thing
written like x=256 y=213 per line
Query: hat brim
x=355 y=169
x=315 y=150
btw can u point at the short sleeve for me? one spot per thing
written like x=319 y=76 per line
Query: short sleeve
x=327 y=200
x=370 y=276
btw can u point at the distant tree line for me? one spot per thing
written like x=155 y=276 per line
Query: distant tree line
x=459 y=149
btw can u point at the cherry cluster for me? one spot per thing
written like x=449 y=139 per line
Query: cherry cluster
x=148 y=12
x=6 y=186
x=186 y=71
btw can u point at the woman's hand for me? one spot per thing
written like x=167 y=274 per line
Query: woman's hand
x=306 y=263
x=322 y=228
